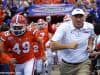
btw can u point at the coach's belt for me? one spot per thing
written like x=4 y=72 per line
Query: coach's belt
x=70 y=63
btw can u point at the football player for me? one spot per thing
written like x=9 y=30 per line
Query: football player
x=95 y=55
x=39 y=48
x=19 y=41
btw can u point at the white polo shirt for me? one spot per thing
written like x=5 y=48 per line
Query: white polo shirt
x=67 y=33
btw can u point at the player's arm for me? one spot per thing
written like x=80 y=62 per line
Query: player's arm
x=6 y=59
x=1 y=46
x=4 y=56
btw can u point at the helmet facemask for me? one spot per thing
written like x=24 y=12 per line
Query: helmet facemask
x=41 y=25
x=18 y=29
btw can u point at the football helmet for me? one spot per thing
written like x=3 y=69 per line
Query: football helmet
x=48 y=19
x=67 y=17
x=18 y=25
x=41 y=23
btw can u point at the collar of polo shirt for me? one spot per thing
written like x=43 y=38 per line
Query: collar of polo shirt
x=74 y=28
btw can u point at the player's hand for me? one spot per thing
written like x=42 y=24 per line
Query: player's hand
x=12 y=61
x=44 y=58
x=40 y=39
x=93 y=55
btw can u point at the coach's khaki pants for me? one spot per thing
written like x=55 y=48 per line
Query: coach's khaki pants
x=75 y=69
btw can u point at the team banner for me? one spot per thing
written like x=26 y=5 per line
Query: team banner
x=49 y=9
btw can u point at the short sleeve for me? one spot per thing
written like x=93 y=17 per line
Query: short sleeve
x=60 y=32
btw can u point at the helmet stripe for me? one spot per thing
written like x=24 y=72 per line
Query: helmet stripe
x=17 y=18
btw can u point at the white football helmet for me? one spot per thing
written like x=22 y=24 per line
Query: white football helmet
x=18 y=25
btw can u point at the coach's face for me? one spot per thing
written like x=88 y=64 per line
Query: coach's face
x=78 y=20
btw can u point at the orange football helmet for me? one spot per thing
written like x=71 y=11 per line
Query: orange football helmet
x=67 y=17
x=18 y=25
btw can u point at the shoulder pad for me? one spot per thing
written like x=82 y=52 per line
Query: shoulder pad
x=6 y=33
